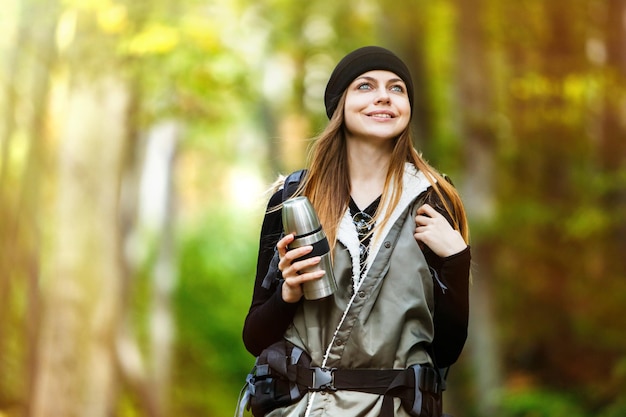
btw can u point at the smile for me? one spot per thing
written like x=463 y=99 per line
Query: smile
x=383 y=115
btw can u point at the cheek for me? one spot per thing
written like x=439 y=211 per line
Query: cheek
x=405 y=106
x=352 y=112
x=349 y=122
x=355 y=102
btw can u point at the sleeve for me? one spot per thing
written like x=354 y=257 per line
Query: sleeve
x=451 y=291
x=269 y=315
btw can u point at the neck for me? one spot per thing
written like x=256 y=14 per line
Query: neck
x=368 y=166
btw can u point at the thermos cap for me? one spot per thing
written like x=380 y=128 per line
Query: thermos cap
x=299 y=217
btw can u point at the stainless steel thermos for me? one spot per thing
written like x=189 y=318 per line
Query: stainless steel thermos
x=299 y=218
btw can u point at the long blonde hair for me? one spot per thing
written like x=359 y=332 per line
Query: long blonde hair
x=327 y=183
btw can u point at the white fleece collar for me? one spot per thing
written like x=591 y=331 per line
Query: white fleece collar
x=414 y=182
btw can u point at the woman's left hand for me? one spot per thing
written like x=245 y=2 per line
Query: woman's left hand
x=433 y=230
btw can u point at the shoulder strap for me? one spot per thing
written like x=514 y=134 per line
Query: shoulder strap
x=292 y=182
x=289 y=188
x=442 y=372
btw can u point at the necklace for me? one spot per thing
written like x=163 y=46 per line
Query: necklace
x=364 y=223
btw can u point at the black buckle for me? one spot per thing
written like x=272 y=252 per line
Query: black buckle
x=428 y=380
x=323 y=379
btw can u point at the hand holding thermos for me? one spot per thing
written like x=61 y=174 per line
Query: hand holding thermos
x=305 y=258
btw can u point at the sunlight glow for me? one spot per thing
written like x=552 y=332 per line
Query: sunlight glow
x=247 y=190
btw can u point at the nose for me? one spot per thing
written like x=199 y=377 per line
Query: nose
x=383 y=96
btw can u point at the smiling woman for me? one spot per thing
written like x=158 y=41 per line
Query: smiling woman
x=398 y=236
x=377 y=107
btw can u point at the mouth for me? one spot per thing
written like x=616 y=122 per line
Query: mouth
x=382 y=115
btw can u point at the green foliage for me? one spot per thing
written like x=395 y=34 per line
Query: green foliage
x=217 y=264
x=617 y=409
x=541 y=403
x=545 y=402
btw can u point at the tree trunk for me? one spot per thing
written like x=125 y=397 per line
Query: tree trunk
x=614 y=124
x=22 y=184
x=476 y=103
x=613 y=136
x=81 y=288
x=157 y=218
x=403 y=30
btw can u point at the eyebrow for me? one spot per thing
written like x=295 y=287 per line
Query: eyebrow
x=390 y=81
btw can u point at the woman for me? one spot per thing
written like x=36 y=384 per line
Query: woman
x=398 y=237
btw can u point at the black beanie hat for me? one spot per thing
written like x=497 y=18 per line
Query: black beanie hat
x=360 y=61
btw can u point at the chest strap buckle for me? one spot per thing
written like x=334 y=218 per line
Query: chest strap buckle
x=323 y=379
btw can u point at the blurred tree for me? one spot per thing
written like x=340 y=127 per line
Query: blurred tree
x=477 y=109
x=405 y=31
x=75 y=372
x=552 y=199
x=24 y=158
x=613 y=122
x=81 y=295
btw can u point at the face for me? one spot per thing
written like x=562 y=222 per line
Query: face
x=377 y=106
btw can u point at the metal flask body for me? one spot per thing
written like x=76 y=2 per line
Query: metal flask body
x=299 y=218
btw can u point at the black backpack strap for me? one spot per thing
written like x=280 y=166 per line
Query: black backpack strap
x=292 y=181
x=443 y=372
x=418 y=387
x=290 y=185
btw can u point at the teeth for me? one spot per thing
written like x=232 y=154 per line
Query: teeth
x=385 y=115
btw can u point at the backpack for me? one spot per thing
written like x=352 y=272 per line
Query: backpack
x=292 y=181
x=273 y=383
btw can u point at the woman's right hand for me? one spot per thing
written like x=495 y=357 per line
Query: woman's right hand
x=295 y=273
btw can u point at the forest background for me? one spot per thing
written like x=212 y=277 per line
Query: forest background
x=138 y=139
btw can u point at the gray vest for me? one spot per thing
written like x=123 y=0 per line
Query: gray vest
x=382 y=321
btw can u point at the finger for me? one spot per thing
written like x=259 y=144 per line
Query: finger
x=307 y=275
x=285 y=265
x=422 y=236
x=294 y=283
x=300 y=267
x=283 y=243
x=303 y=265
x=292 y=289
x=421 y=220
x=297 y=253
x=419 y=239
x=420 y=230
x=428 y=219
x=311 y=276
x=427 y=210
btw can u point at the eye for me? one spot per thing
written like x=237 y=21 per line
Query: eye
x=397 y=88
x=364 y=86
